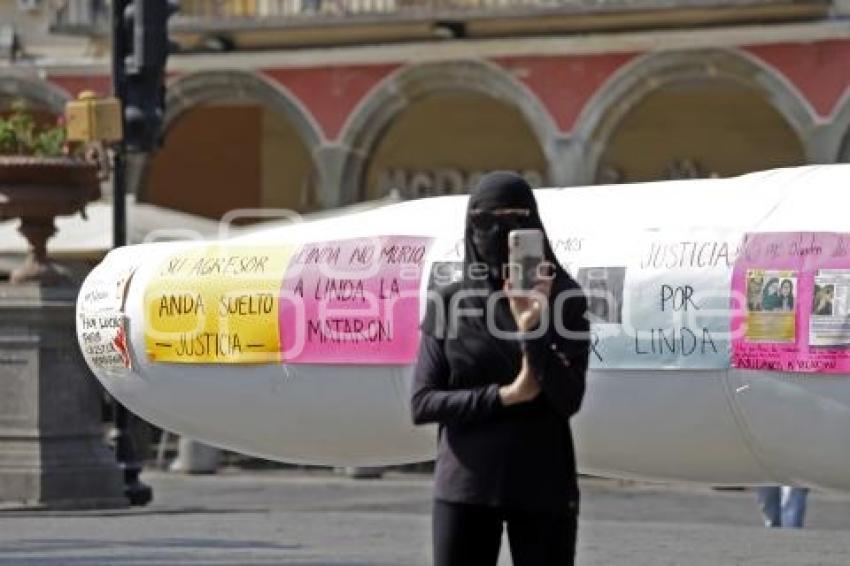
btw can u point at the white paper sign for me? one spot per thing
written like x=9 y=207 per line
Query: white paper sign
x=658 y=301
x=101 y=325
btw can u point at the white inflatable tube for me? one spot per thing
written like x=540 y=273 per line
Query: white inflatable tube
x=667 y=395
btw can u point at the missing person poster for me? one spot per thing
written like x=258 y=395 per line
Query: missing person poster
x=771 y=316
x=790 y=302
x=829 y=324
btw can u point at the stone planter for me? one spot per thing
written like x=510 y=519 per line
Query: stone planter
x=37 y=190
x=52 y=452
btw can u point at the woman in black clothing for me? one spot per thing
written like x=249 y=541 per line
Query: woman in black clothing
x=503 y=403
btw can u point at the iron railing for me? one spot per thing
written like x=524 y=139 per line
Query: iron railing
x=91 y=16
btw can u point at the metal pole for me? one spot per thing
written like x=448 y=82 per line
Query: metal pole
x=137 y=492
x=119 y=197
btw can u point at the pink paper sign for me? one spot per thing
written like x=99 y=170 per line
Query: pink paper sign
x=791 y=303
x=353 y=301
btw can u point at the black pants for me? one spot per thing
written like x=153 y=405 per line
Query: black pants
x=470 y=535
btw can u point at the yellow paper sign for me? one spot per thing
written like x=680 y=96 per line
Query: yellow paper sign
x=216 y=304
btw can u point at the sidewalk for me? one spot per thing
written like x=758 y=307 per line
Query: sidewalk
x=301 y=518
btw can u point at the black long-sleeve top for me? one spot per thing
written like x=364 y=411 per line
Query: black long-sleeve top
x=517 y=456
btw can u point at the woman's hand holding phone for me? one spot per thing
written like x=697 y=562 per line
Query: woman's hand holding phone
x=525 y=307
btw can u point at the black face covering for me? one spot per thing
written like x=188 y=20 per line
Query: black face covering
x=495 y=191
x=492 y=247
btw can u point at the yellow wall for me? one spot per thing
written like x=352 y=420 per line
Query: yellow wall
x=726 y=128
x=288 y=178
x=463 y=131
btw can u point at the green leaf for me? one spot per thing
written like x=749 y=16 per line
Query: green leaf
x=20 y=135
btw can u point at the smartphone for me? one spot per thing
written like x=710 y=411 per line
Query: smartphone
x=525 y=256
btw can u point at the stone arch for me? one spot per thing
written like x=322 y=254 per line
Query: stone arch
x=841 y=127
x=195 y=90
x=376 y=112
x=42 y=93
x=651 y=72
x=188 y=91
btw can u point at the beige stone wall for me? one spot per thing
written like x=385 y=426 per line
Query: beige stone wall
x=32 y=30
x=446 y=134
x=288 y=180
x=699 y=128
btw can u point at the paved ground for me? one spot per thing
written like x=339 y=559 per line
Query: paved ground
x=298 y=518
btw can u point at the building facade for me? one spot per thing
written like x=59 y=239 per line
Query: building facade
x=310 y=104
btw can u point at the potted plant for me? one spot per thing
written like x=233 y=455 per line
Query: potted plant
x=41 y=177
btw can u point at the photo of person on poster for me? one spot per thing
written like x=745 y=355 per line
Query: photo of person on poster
x=755 y=285
x=770 y=305
x=770 y=300
x=823 y=300
x=786 y=295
